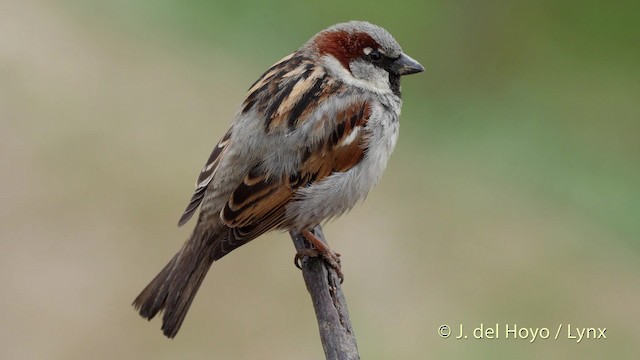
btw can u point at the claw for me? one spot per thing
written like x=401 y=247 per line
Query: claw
x=302 y=253
x=331 y=257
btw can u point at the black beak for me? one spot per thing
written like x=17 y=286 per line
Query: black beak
x=405 y=65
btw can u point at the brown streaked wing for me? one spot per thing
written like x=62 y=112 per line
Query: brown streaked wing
x=256 y=206
x=205 y=178
x=259 y=203
x=343 y=148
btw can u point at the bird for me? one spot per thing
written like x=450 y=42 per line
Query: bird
x=309 y=141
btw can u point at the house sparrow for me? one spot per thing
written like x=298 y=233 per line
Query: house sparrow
x=311 y=138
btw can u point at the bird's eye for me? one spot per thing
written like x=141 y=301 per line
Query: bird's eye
x=375 y=56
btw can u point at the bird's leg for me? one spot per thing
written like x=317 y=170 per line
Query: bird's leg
x=331 y=257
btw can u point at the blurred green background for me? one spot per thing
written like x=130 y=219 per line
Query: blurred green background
x=513 y=196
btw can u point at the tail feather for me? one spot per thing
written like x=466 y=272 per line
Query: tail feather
x=173 y=289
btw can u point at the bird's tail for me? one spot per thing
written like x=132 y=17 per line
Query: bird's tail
x=174 y=288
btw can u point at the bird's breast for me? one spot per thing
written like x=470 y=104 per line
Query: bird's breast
x=340 y=191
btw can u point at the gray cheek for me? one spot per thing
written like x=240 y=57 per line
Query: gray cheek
x=361 y=69
x=368 y=72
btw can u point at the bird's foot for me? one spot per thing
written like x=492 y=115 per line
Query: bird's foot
x=321 y=249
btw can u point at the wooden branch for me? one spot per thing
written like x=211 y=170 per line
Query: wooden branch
x=323 y=284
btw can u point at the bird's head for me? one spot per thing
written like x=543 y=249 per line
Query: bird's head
x=362 y=54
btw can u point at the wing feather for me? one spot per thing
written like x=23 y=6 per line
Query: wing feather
x=205 y=178
x=289 y=94
x=259 y=203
